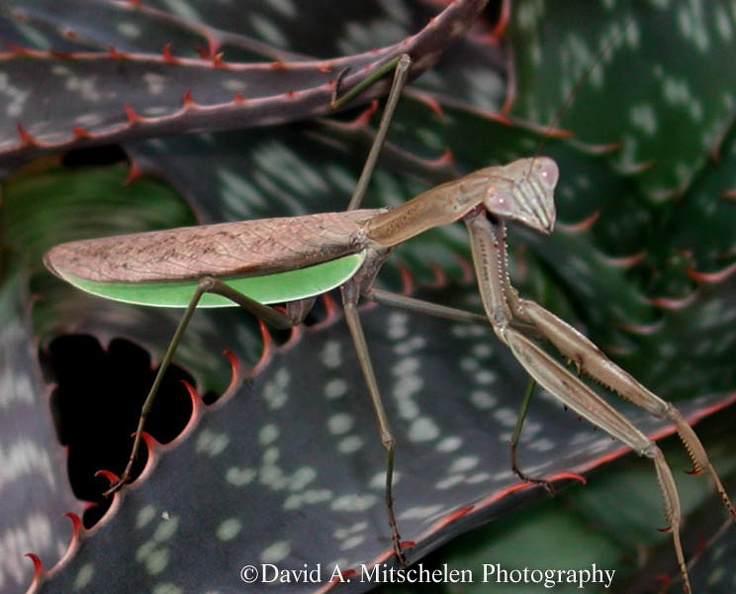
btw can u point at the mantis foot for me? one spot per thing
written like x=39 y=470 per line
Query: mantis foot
x=548 y=486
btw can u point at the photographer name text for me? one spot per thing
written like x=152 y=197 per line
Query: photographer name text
x=269 y=573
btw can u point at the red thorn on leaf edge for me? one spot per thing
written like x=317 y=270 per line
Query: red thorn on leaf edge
x=583 y=225
x=18 y=50
x=217 y=60
x=113 y=53
x=407 y=280
x=453 y=516
x=187 y=100
x=459 y=513
x=80 y=132
x=193 y=394
x=168 y=56
x=77 y=525
x=642 y=329
x=132 y=114
x=38 y=570
x=440 y=276
x=74 y=541
x=365 y=116
x=639 y=167
x=109 y=475
x=503 y=19
x=134 y=172
x=236 y=370
x=447 y=158
x=671 y=303
x=197 y=410
x=345 y=575
x=25 y=137
x=266 y=351
x=665 y=582
x=151 y=445
x=701 y=546
x=331 y=308
x=467 y=270
x=434 y=105
x=626 y=261
x=573 y=476
x=711 y=277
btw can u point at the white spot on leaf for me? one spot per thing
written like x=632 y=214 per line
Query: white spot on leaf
x=449 y=444
x=331 y=355
x=340 y=423
x=350 y=444
x=229 y=529
x=268 y=434
x=423 y=429
x=354 y=503
x=336 y=388
x=211 y=443
x=276 y=552
x=84 y=576
x=240 y=476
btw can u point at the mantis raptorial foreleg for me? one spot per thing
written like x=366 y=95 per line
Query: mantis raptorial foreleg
x=502 y=304
x=590 y=360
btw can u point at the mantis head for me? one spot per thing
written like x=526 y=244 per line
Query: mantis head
x=523 y=191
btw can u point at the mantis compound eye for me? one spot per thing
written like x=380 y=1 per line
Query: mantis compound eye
x=546 y=171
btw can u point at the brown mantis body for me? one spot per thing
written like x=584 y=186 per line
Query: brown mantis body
x=208 y=260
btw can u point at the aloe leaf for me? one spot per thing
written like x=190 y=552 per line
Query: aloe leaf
x=261 y=489
x=100 y=97
x=33 y=480
x=649 y=279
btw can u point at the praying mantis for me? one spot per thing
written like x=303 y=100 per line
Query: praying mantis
x=292 y=260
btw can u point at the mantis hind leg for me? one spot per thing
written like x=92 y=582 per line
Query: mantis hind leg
x=271 y=316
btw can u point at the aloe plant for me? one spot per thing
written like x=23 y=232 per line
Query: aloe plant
x=286 y=466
